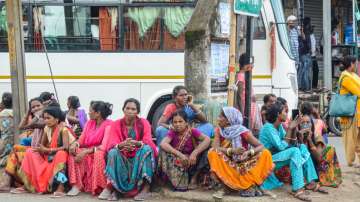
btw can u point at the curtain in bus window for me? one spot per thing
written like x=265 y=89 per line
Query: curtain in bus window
x=3 y=21
x=142 y=29
x=144 y=18
x=38 y=27
x=81 y=20
x=107 y=27
x=54 y=21
x=176 y=20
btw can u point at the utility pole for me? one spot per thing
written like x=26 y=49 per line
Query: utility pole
x=17 y=60
x=232 y=59
x=248 y=74
x=327 y=44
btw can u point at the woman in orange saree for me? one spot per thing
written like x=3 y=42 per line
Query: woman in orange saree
x=233 y=162
x=43 y=168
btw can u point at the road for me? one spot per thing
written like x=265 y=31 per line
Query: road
x=347 y=191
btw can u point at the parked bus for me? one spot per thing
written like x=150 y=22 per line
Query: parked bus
x=114 y=50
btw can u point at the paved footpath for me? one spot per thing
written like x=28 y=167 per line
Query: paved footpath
x=347 y=192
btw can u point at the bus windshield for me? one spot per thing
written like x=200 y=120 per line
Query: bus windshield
x=281 y=26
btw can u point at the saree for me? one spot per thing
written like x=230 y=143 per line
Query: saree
x=170 y=167
x=241 y=175
x=127 y=171
x=40 y=173
x=329 y=168
x=88 y=175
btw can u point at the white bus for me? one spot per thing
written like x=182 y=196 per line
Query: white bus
x=115 y=50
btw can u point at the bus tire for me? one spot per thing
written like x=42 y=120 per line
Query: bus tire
x=157 y=114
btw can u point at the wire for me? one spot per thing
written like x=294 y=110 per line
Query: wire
x=46 y=51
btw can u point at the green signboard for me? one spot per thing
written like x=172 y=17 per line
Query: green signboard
x=248 y=7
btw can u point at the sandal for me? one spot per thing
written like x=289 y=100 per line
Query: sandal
x=19 y=190
x=248 y=193
x=317 y=188
x=58 y=194
x=301 y=195
x=143 y=196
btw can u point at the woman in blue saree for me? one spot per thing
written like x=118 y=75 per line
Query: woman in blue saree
x=182 y=100
x=287 y=150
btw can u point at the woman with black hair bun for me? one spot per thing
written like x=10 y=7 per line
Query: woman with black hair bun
x=86 y=163
x=75 y=116
x=43 y=169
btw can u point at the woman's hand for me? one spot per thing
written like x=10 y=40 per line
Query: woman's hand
x=80 y=156
x=72 y=148
x=184 y=160
x=295 y=123
x=41 y=149
x=244 y=156
x=193 y=158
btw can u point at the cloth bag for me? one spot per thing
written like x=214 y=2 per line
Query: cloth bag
x=342 y=105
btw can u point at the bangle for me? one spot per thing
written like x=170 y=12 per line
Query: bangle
x=197 y=113
x=288 y=138
x=229 y=151
x=252 y=152
x=94 y=150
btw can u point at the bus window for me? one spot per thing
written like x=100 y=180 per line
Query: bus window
x=156 y=28
x=281 y=26
x=3 y=27
x=76 y=28
x=174 y=35
x=142 y=28
x=259 y=28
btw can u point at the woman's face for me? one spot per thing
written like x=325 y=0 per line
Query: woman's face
x=93 y=115
x=181 y=97
x=130 y=110
x=36 y=107
x=305 y=122
x=179 y=123
x=283 y=115
x=222 y=121
x=50 y=121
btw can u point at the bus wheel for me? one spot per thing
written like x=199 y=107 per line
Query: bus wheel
x=157 y=114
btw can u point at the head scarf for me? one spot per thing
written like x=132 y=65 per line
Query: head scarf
x=234 y=131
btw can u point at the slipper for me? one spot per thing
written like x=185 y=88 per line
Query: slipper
x=319 y=189
x=269 y=193
x=142 y=196
x=301 y=195
x=19 y=190
x=105 y=194
x=192 y=186
x=219 y=194
x=58 y=195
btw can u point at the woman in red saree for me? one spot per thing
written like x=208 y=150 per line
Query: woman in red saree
x=43 y=168
x=131 y=158
x=86 y=164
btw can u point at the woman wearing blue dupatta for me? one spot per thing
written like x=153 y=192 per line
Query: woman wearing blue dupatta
x=287 y=150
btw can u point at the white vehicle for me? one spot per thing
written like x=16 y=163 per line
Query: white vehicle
x=98 y=51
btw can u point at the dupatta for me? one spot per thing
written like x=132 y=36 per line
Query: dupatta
x=92 y=136
x=119 y=133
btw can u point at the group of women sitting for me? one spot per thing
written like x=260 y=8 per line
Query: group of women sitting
x=119 y=158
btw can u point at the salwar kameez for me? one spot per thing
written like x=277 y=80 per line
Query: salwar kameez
x=296 y=157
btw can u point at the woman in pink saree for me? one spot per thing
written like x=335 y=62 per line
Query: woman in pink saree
x=86 y=163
